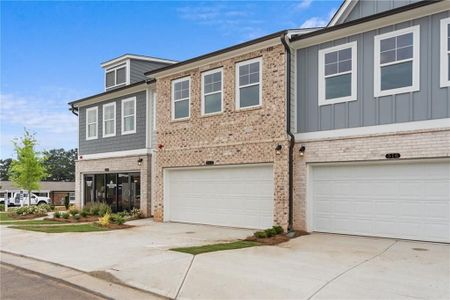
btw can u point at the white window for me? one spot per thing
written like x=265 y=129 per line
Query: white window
x=116 y=76
x=337 y=74
x=212 y=86
x=181 y=98
x=248 y=83
x=109 y=119
x=397 y=62
x=91 y=123
x=445 y=52
x=129 y=115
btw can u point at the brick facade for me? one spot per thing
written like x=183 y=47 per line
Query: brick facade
x=116 y=165
x=411 y=145
x=232 y=137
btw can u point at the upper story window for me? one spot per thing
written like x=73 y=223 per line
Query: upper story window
x=91 y=123
x=212 y=86
x=397 y=62
x=248 y=83
x=129 y=115
x=109 y=119
x=337 y=74
x=181 y=98
x=116 y=76
x=445 y=52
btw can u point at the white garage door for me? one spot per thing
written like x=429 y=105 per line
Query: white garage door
x=238 y=196
x=408 y=200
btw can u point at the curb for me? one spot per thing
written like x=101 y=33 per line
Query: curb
x=76 y=278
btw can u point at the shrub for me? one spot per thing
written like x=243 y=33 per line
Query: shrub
x=57 y=215
x=136 y=213
x=52 y=207
x=84 y=213
x=270 y=232
x=47 y=207
x=66 y=201
x=73 y=211
x=104 y=209
x=65 y=215
x=76 y=217
x=123 y=214
x=278 y=229
x=105 y=220
x=260 y=234
x=117 y=219
x=2 y=207
x=29 y=210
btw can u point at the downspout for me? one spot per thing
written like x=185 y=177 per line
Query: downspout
x=289 y=133
x=74 y=110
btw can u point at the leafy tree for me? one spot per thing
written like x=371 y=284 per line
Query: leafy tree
x=27 y=171
x=4 y=166
x=60 y=164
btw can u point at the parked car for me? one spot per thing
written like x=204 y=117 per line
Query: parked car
x=17 y=198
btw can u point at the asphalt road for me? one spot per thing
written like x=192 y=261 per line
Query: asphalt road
x=19 y=284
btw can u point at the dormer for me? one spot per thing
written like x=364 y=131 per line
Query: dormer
x=130 y=68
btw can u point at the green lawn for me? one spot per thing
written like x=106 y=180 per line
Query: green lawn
x=27 y=222
x=62 y=228
x=216 y=247
x=4 y=216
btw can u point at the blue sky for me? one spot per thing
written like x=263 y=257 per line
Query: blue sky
x=51 y=51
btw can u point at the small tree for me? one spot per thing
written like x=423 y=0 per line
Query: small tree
x=27 y=171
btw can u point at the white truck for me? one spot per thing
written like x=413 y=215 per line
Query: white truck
x=17 y=198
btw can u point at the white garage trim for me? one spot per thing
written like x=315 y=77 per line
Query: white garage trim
x=252 y=213
x=410 y=218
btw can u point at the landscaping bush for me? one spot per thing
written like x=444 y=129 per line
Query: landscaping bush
x=76 y=217
x=65 y=215
x=29 y=210
x=52 y=207
x=270 y=232
x=123 y=214
x=2 y=207
x=105 y=220
x=84 y=213
x=104 y=209
x=92 y=209
x=260 y=234
x=136 y=213
x=47 y=207
x=73 y=211
x=57 y=215
x=117 y=219
x=278 y=229
x=67 y=202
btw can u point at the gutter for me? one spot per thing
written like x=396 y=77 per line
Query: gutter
x=289 y=133
x=74 y=110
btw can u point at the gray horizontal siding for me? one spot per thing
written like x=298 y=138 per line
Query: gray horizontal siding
x=431 y=102
x=119 y=142
x=366 y=8
x=139 y=67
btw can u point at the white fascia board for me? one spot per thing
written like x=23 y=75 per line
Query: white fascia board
x=122 y=58
x=114 y=154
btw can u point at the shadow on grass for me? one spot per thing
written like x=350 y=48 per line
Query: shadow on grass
x=216 y=247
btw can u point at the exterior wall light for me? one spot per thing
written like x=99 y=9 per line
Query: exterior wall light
x=140 y=160
x=302 y=150
x=278 y=149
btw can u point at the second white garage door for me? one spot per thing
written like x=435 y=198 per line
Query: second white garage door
x=237 y=196
x=409 y=200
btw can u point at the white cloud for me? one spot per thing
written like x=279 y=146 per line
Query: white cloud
x=318 y=21
x=304 y=4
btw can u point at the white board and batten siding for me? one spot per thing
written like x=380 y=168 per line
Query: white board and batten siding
x=408 y=200
x=235 y=196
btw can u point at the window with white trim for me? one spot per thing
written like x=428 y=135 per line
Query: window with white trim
x=445 y=52
x=248 y=83
x=397 y=62
x=91 y=123
x=109 y=119
x=337 y=74
x=212 y=85
x=129 y=115
x=116 y=76
x=181 y=98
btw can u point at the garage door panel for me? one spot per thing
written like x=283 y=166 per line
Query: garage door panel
x=406 y=200
x=239 y=196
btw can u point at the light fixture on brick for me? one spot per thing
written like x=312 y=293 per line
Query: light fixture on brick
x=278 y=149
x=140 y=160
x=302 y=150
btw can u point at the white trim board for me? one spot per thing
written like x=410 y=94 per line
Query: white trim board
x=88 y=138
x=444 y=53
x=203 y=95
x=136 y=152
x=132 y=99
x=104 y=135
x=136 y=57
x=376 y=129
x=238 y=87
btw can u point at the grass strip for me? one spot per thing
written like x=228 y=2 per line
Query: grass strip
x=216 y=247
x=62 y=228
x=5 y=217
x=28 y=222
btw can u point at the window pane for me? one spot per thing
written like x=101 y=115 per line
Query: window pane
x=109 y=127
x=405 y=40
x=128 y=123
x=249 y=96
x=254 y=67
x=388 y=56
x=345 y=54
x=254 y=77
x=244 y=70
x=405 y=53
x=448 y=67
x=92 y=116
x=396 y=76
x=110 y=79
x=92 y=130
x=345 y=66
x=244 y=79
x=109 y=112
x=121 y=77
x=331 y=57
x=217 y=76
x=208 y=79
x=128 y=108
x=185 y=93
x=177 y=86
x=213 y=103
x=338 y=86
x=387 y=44
x=331 y=69
x=185 y=85
x=182 y=109
x=177 y=95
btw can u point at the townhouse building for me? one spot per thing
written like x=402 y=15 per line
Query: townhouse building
x=342 y=129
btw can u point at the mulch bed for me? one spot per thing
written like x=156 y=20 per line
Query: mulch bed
x=117 y=226
x=25 y=217
x=277 y=239
x=72 y=220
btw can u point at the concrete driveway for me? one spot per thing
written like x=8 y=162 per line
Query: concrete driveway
x=311 y=267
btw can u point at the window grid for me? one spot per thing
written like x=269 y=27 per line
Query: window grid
x=248 y=71
x=109 y=117
x=180 y=92
x=114 y=71
x=129 y=113
x=212 y=82
x=91 y=123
